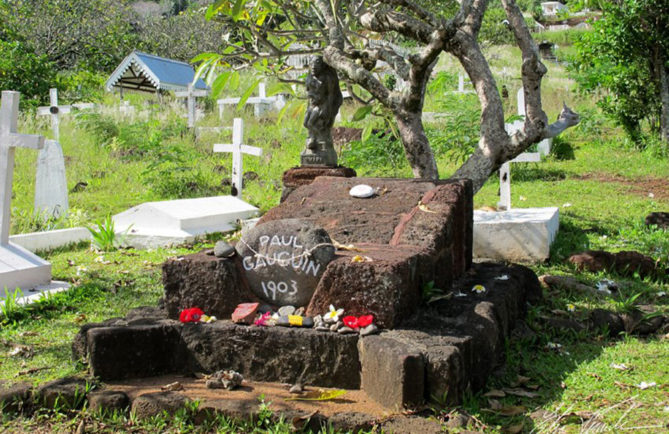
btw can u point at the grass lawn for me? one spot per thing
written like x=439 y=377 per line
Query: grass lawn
x=603 y=193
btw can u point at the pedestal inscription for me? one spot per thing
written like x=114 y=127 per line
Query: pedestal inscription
x=284 y=260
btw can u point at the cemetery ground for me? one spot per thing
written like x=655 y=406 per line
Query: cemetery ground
x=578 y=379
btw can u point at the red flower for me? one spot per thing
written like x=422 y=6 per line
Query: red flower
x=191 y=315
x=365 y=320
x=350 y=321
x=359 y=322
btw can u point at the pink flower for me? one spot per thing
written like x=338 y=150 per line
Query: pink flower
x=262 y=321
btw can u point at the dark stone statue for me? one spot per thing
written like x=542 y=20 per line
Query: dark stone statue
x=325 y=98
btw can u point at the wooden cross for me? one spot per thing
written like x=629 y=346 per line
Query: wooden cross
x=54 y=110
x=237 y=149
x=190 y=94
x=9 y=141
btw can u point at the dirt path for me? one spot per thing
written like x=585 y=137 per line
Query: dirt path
x=658 y=187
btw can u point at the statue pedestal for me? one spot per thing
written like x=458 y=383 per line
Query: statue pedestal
x=304 y=175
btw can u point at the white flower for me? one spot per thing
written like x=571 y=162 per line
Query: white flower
x=81 y=269
x=460 y=294
x=479 y=289
x=333 y=315
x=503 y=277
x=619 y=366
x=571 y=307
x=99 y=259
x=522 y=198
x=553 y=346
x=566 y=205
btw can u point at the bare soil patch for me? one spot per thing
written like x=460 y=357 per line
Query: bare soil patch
x=659 y=187
x=354 y=401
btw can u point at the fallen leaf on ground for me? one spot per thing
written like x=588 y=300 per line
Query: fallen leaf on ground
x=514 y=429
x=494 y=394
x=494 y=404
x=520 y=392
x=172 y=387
x=512 y=410
x=30 y=371
x=300 y=421
x=622 y=385
x=318 y=395
x=620 y=366
x=28 y=333
x=644 y=385
x=595 y=376
x=21 y=351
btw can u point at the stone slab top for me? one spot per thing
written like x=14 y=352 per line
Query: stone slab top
x=516 y=215
x=327 y=202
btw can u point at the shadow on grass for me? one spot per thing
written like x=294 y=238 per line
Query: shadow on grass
x=539 y=364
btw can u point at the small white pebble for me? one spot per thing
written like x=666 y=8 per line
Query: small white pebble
x=361 y=191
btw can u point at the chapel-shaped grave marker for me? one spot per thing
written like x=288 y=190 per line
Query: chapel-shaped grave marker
x=19 y=268
x=237 y=149
x=51 y=192
x=191 y=94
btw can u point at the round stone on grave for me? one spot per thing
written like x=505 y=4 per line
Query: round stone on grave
x=285 y=259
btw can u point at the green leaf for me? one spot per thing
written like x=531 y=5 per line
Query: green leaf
x=361 y=113
x=366 y=133
x=247 y=94
x=319 y=395
x=219 y=83
x=237 y=9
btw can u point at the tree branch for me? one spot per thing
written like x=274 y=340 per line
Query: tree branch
x=385 y=21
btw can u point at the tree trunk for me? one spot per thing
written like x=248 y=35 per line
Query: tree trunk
x=416 y=146
x=664 y=97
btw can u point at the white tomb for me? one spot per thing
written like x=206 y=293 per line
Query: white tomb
x=173 y=222
x=261 y=104
x=19 y=268
x=518 y=235
x=50 y=181
x=237 y=149
x=191 y=94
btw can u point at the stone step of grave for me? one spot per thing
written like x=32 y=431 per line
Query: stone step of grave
x=517 y=235
x=30 y=296
x=444 y=351
x=21 y=268
x=49 y=240
x=155 y=224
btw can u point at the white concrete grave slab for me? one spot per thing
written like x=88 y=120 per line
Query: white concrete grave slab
x=261 y=104
x=519 y=235
x=173 y=222
x=19 y=268
x=237 y=149
x=49 y=240
x=191 y=94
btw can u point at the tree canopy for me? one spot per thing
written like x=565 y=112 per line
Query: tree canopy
x=356 y=36
x=627 y=57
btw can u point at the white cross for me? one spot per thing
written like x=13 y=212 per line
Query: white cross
x=54 y=110
x=190 y=94
x=9 y=141
x=237 y=149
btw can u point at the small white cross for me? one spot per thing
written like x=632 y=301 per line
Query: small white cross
x=237 y=149
x=9 y=141
x=190 y=94
x=54 y=110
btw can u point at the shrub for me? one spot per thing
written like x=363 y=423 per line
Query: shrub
x=26 y=72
